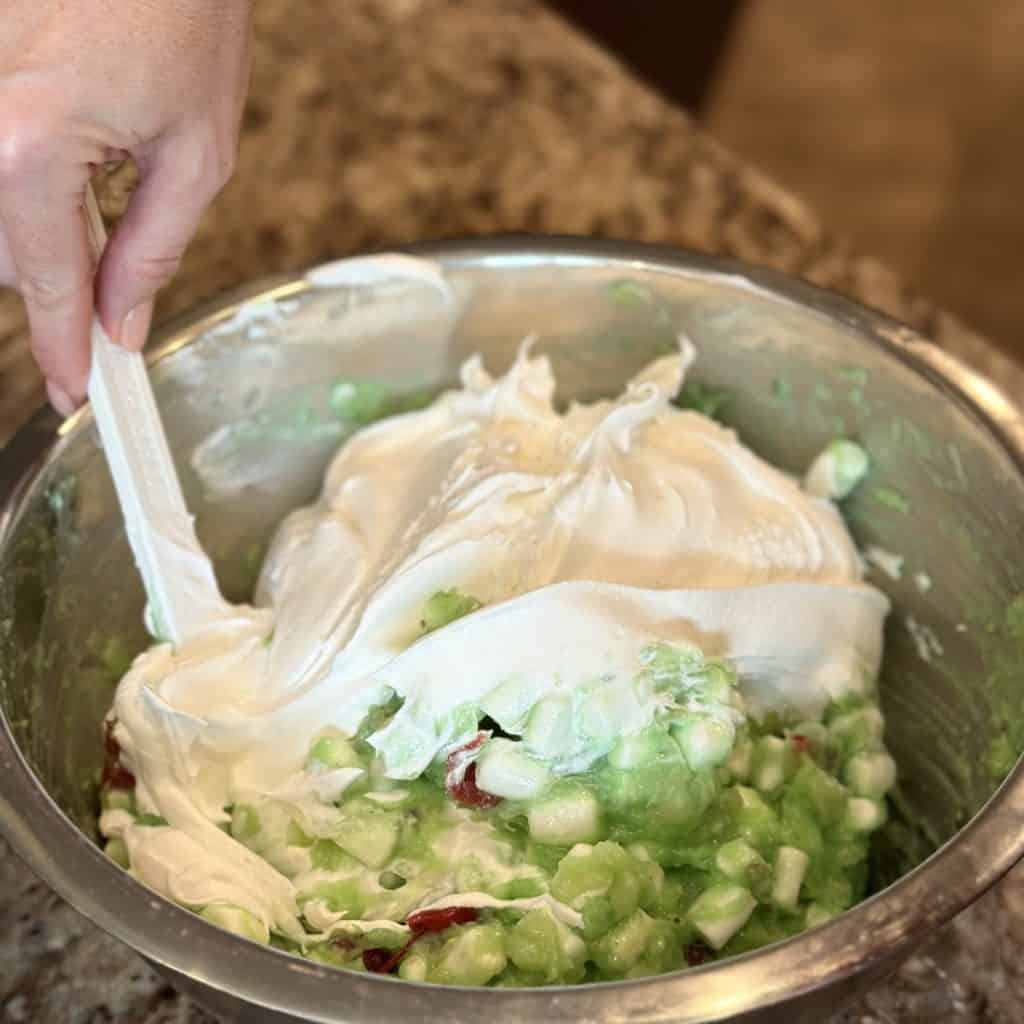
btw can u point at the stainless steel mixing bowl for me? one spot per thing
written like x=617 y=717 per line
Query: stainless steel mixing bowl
x=246 y=392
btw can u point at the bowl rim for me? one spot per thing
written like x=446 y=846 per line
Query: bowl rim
x=850 y=945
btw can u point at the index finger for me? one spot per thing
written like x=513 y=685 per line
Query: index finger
x=41 y=214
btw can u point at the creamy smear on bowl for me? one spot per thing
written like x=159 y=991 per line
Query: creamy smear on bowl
x=619 y=587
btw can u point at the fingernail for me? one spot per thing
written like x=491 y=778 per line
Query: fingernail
x=134 y=329
x=59 y=399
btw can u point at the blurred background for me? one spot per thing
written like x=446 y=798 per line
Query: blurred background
x=875 y=147
x=901 y=122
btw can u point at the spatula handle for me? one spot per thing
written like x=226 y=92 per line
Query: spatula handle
x=178 y=577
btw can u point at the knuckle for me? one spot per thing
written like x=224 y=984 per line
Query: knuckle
x=47 y=292
x=25 y=142
x=154 y=268
x=206 y=166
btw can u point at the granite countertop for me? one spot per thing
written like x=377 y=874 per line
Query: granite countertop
x=377 y=122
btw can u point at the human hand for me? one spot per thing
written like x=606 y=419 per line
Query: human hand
x=84 y=82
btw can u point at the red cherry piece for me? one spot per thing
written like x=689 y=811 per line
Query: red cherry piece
x=697 y=953
x=426 y=921
x=801 y=743
x=468 y=794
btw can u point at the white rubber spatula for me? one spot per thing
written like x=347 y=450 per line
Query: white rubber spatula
x=178 y=577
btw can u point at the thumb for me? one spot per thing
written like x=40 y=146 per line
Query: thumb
x=178 y=182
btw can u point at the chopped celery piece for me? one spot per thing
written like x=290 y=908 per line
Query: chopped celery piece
x=444 y=607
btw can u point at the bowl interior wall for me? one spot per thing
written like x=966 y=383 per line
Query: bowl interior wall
x=252 y=411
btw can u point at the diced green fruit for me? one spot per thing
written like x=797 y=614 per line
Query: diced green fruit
x=473 y=956
x=623 y=946
x=769 y=763
x=445 y=607
x=334 y=751
x=721 y=911
x=568 y=814
x=864 y=815
x=296 y=837
x=549 y=728
x=326 y=855
x=598 y=917
x=371 y=838
x=705 y=741
x=413 y=968
x=647 y=747
x=837 y=470
x=344 y=896
x=817 y=914
x=755 y=820
x=741 y=760
x=870 y=775
x=506 y=769
x=510 y=703
x=116 y=850
x=740 y=862
x=235 y=919
x=390 y=880
x=823 y=793
x=520 y=888
x=856 y=730
x=151 y=821
x=790 y=867
x=245 y=822
x=534 y=944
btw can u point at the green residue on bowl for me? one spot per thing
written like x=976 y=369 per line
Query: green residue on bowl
x=782 y=391
x=359 y=402
x=1003 y=686
x=856 y=375
x=704 y=398
x=889 y=497
x=629 y=294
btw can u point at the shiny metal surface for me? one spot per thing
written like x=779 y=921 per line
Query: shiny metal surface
x=247 y=401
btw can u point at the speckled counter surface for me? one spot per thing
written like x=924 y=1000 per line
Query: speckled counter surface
x=376 y=122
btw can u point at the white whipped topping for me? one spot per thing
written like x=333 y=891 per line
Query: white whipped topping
x=586 y=536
